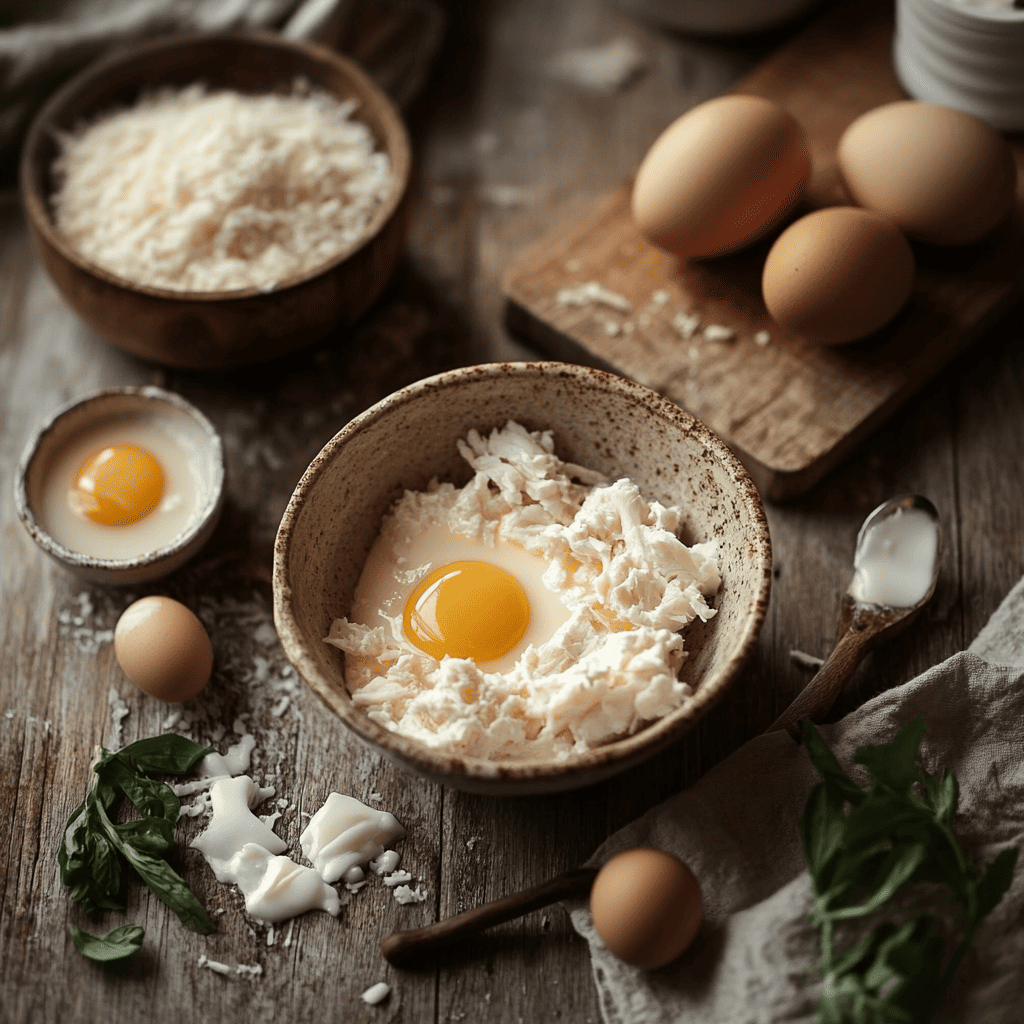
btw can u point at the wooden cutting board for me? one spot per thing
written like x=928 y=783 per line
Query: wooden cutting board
x=790 y=410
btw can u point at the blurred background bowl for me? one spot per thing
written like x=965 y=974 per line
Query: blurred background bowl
x=718 y=17
x=600 y=421
x=216 y=330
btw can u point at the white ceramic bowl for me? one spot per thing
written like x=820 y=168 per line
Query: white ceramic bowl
x=600 y=421
x=195 y=437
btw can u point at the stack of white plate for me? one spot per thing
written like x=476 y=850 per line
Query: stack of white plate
x=964 y=54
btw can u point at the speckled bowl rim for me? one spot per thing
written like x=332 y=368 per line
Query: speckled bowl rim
x=601 y=761
x=38 y=205
x=89 y=563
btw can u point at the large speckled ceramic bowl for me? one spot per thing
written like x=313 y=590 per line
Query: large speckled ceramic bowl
x=600 y=421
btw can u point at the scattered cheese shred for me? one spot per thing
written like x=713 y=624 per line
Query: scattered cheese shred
x=376 y=993
x=592 y=292
x=197 y=191
x=718 y=332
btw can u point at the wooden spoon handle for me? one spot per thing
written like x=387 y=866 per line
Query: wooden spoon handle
x=403 y=948
x=814 y=701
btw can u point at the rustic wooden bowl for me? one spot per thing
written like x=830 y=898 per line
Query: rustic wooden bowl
x=215 y=330
x=600 y=421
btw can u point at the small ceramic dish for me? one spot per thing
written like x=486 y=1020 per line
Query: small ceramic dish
x=599 y=421
x=217 y=329
x=188 y=451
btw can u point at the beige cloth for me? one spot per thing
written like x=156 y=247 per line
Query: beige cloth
x=737 y=828
x=44 y=42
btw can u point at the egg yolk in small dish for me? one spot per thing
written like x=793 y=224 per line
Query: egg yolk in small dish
x=467 y=609
x=126 y=486
x=118 y=485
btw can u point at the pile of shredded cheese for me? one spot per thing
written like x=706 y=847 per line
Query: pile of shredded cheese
x=209 y=191
x=617 y=563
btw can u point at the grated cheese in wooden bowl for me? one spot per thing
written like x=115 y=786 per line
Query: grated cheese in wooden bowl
x=193 y=190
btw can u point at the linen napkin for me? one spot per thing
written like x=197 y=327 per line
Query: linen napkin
x=756 y=958
x=44 y=42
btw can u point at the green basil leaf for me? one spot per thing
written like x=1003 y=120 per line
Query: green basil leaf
x=895 y=835
x=830 y=1009
x=994 y=882
x=165 y=882
x=169 y=886
x=942 y=795
x=115 y=945
x=115 y=951
x=917 y=962
x=897 y=868
x=880 y=817
x=154 y=836
x=825 y=761
x=882 y=971
x=148 y=795
x=856 y=954
x=88 y=864
x=894 y=765
x=72 y=846
x=169 y=754
x=821 y=831
x=105 y=865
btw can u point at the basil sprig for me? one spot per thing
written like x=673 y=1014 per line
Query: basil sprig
x=898 y=832
x=96 y=851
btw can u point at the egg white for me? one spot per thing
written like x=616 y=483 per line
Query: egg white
x=183 y=489
x=392 y=571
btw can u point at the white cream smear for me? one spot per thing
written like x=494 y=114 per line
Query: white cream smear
x=609 y=583
x=895 y=560
x=346 y=834
x=244 y=851
x=340 y=839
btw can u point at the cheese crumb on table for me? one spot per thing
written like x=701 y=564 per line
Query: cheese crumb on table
x=376 y=993
x=718 y=332
x=404 y=894
x=593 y=292
x=686 y=324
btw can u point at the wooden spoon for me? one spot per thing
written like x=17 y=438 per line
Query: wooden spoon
x=862 y=625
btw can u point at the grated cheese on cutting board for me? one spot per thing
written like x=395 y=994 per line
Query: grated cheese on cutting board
x=208 y=191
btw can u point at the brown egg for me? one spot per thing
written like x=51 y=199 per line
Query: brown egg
x=944 y=176
x=163 y=648
x=646 y=906
x=720 y=176
x=837 y=275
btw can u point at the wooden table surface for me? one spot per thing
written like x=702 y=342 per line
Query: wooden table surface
x=504 y=151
